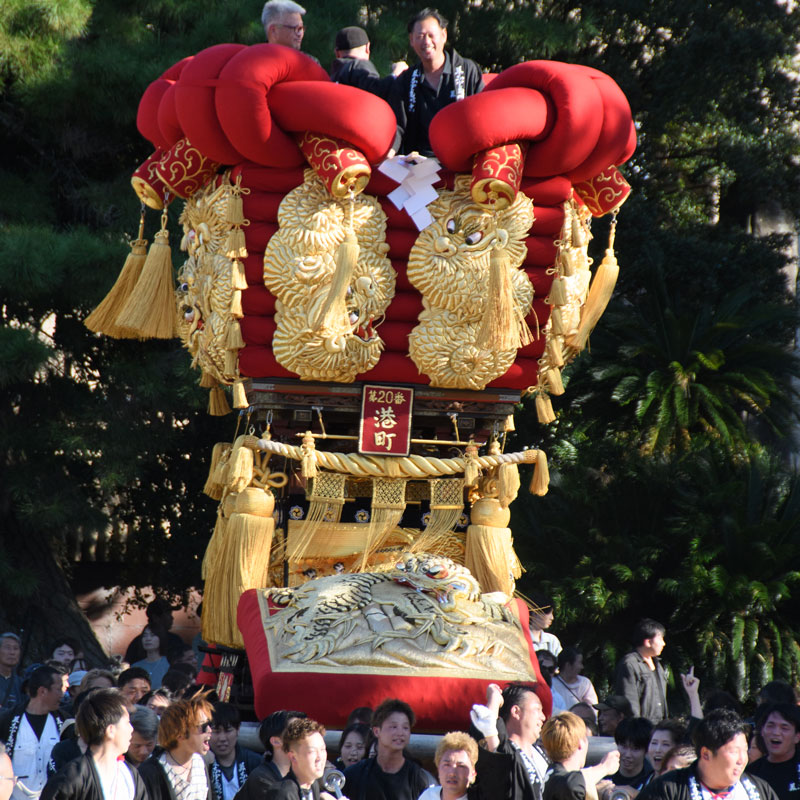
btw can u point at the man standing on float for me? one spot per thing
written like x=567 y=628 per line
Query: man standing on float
x=440 y=78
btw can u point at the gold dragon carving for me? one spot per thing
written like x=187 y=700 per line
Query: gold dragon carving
x=449 y=264
x=204 y=293
x=423 y=614
x=299 y=265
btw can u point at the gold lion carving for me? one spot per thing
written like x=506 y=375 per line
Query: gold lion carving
x=204 y=293
x=450 y=265
x=299 y=265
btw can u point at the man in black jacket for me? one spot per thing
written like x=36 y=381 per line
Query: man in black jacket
x=640 y=677
x=304 y=744
x=390 y=775
x=103 y=723
x=721 y=743
x=232 y=763
x=440 y=78
x=352 y=66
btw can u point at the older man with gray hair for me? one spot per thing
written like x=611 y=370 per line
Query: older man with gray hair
x=283 y=23
x=144 y=737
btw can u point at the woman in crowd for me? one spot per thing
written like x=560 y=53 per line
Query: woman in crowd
x=352 y=745
x=666 y=735
x=570 y=686
x=176 y=770
x=455 y=759
x=157 y=700
x=154 y=640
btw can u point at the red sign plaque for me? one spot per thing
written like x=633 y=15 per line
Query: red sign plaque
x=385 y=420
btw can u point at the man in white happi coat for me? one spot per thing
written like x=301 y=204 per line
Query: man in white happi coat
x=31 y=732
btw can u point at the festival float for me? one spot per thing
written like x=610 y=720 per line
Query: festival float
x=374 y=322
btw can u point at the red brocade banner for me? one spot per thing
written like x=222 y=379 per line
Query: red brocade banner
x=184 y=169
x=605 y=192
x=343 y=169
x=497 y=174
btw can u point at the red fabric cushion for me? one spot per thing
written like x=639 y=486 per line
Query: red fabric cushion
x=168 y=123
x=488 y=119
x=242 y=101
x=336 y=110
x=257 y=361
x=578 y=113
x=147 y=113
x=257 y=234
x=257 y=330
x=268 y=179
x=440 y=703
x=262 y=206
x=194 y=103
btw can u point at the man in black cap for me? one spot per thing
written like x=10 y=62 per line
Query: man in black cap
x=611 y=711
x=353 y=67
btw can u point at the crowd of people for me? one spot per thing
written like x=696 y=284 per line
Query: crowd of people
x=71 y=734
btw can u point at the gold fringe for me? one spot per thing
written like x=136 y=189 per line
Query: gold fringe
x=230 y=363
x=207 y=381
x=326 y=500
x=603 y=283
x=238 y=277
x=447 y=506
x=544 y=408
x=333 y=318
x=239 y=395
x=540 y=482
x=490 y=558
x=234 y=212
x=103 y=318
x=150 y=309
x=218 y=622
x=388 y=505
x=217 y=402
x=212 y=488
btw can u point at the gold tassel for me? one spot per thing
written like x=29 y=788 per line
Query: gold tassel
x=150 y=309
x=325 y=503
x=230 y=361
x=239 y=395
x=508 y=424
x=472 y=470
x=213 y=488
x=217 y=402
x=447 y=506
x=489 y=558
x=603 y=283
x=217 y=622
x=221 y=472
x=236 y=305
x=558 y=292
x=250 y=532
x=207 y=381
x=540 y=481
x=507 y=484
x=240 y=466
x=214 y=544
x=553 y=378
x=333 y=318
x=308 y=463
x=556 y=321
x=233 y=336
x=544 y=408
x=103 y=318
x=235 y=244
x=554 y=351
x=388 y=505
x=234 y=212
x=238 y=277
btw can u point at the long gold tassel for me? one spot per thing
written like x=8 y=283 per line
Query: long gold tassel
x=150 y=309
x=603 y=283
x=214 y=545
x=388 y=505
x=540 y=482
x=217 y=402
x=503 y=326
x=216 y=623
x=239 y=395
x=507 y=484
x=240 y=465
x=332 y=318
x=104 y=318
x=326 y=500
x=250 y=532
x=490 y=558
